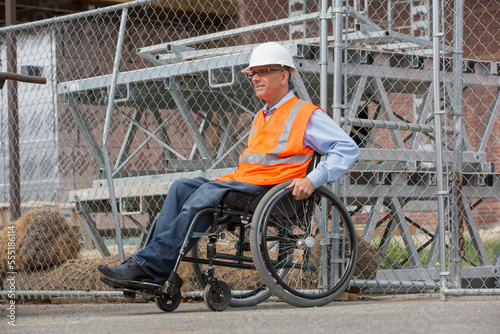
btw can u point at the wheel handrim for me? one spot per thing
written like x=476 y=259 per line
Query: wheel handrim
x=264 y=225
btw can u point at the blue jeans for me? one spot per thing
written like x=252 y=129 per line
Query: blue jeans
x=184 y=199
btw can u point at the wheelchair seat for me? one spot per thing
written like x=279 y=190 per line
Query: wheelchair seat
x=240 y=201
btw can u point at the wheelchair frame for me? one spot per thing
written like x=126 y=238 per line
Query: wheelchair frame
x=284 y=241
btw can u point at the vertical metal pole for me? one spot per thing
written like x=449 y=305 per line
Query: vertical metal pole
x=439 y=145
x=10 y=13
x=356 y=7
x=456 y=260
x=107 y=164
x=390 y=17
x=337 y=113
x=323 y=60
x=337 y=62
x=13 y=118
x=323 y=94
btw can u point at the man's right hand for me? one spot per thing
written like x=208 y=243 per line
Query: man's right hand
x=302 y=188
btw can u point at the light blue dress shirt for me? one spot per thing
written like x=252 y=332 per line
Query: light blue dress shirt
x=324 y=136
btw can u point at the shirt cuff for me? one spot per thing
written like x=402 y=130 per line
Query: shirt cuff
x=317 y=178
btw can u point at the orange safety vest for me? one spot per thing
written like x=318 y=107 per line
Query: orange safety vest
x=275 y=153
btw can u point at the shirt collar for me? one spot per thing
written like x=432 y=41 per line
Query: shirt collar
x=287 y=97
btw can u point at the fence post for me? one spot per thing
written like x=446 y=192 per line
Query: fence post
x=324 y=17
x=13 y=106
x=439 y=154
x=107 y=164
x=456 y=207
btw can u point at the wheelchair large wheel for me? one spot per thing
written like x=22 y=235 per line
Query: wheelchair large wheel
x=305 y=251
x=247 y=289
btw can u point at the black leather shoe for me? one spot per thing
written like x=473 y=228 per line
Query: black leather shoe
x=128 y=270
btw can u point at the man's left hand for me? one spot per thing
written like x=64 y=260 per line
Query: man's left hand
x=302 y=188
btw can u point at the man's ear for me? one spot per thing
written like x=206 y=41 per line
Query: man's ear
x=285 y=77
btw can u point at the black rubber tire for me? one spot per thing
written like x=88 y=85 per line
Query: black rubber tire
x=290 y=228
x=217 y=296
x=241 y=296
x=168 y=303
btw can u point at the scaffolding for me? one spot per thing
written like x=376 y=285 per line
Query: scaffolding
x=398 y=178
x=392 y=81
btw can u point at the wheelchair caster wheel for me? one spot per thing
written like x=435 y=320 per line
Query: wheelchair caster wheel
x=217 y=296
x=168 y=303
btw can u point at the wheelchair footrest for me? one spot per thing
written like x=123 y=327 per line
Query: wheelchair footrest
x=142 y=285
x=173 y=284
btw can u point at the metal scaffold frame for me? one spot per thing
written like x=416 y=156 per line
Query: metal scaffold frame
x=383 y=80
x=175 y=69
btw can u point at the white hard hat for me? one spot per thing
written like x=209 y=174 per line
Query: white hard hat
x=270 y=53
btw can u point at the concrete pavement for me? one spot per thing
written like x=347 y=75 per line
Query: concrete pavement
x=406 y=314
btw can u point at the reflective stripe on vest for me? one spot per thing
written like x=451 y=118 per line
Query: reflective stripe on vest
x=268 y=160
x=271 y=157
x=252 y=131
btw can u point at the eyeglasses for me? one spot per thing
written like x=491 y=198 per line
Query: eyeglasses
x=262 y=72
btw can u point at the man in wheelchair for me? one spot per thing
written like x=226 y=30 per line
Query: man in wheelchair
x=283 y=138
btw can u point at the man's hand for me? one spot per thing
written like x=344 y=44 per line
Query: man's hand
x=302 y=188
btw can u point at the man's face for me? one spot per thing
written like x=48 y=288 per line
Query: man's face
x=270 y=85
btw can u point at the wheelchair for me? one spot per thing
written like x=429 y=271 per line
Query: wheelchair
x=302 y=251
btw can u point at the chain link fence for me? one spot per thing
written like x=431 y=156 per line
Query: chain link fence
x=141 y=94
